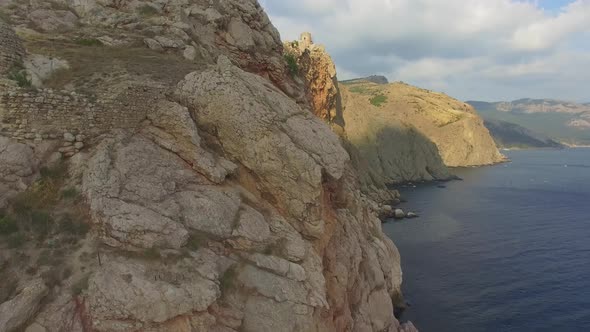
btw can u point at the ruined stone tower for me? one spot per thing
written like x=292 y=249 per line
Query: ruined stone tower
x=11 y=48
x=305 y=40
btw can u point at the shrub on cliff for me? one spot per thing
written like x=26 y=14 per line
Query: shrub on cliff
x=291 y=60
x=18 y=74
x=378 y=100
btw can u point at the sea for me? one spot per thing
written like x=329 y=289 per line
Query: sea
x=507 y=248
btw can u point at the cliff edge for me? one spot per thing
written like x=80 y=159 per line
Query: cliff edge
x=164 y=171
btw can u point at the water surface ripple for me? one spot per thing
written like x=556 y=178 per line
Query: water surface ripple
x=507 y=249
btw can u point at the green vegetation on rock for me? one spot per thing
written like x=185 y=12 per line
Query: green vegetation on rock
x=147 y=10
x=88 y=42
x=378 y=100
x=18 y=74
x=292 y=64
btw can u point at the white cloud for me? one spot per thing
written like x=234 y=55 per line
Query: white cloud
x=451 y=44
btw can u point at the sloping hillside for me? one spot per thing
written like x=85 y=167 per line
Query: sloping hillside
x=564 y=121
x=453 y=126
x=511 y=135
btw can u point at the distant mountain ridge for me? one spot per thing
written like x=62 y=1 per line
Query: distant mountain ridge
x=564 y=121
x=377 y=79
x=528 y=105
x=511 y=135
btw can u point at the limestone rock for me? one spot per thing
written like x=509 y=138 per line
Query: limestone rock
x=17 y=168
x=263 y=315
x=124 y=289
x=254 y=121
x=252 y=226
x=41 y=67
x=209 y=210
x=168 y=42
x=319 y=73
x=174 y=129
x=17 y=311
x=35 y=328
x=136 y=226
x=228 y=205
x=190 y=53
x=399 y=214
x=153 y=44
x=53 y=20
x=241 y=34
x=69 y=137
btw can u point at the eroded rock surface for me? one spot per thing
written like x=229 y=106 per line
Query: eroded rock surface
x=228 y=206
x=255 y=122
x=319 y=73
x=18 y=165
x=17 y=311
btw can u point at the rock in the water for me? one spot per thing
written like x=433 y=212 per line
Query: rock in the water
x=17 y=311
x=411 y=215
x=386 y=211
x=399 y=214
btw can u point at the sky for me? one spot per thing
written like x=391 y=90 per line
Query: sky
x=487 y=50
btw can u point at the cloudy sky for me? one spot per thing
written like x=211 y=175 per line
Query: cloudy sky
x=470 y=49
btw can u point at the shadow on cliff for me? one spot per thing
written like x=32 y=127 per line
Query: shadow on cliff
x=395 y=153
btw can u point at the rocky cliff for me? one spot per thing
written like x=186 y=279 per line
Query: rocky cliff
x=318 y=71
x=191 y=188
x=453 y=126
x=383 y=150
x=386 y=149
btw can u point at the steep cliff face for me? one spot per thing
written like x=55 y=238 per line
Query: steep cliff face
x=319 y=74
x=388 y=150
x=455 y=127
x=226 y=206
x=382 y=149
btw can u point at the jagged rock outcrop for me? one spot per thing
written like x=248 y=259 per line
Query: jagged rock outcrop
x=17 y=168
x=455 y=127
x=216 y=96
x=319 y=73
x=383 y=150
x=17 y=311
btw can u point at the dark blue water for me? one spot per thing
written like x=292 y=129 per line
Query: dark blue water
x=507 y=249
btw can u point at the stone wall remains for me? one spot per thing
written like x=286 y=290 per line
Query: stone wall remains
x=47 y=114
x=11 y=48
